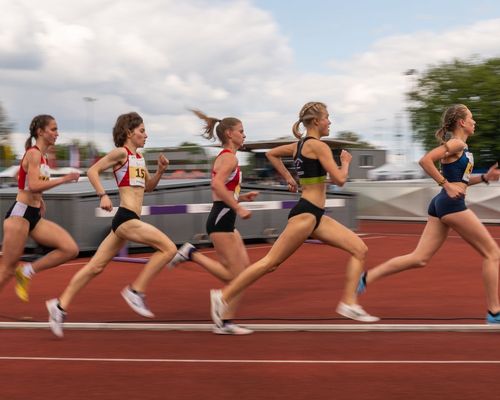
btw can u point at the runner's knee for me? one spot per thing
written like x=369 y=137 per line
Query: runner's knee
x=97 y=268
x=493 y=255
x=420 y=261
x=360 y=251
x=167 y=250
x=71 y=250
x=267 y=265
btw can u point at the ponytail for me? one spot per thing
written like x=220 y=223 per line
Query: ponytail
x=296 y=129
x=208 y=129
x=220 y=129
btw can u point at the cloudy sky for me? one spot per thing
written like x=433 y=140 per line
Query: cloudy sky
x=259 y=60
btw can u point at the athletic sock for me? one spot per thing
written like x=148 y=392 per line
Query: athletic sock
x=28 y=270
x=191 y=251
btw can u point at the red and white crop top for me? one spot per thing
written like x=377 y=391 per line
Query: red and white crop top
x=22 y=180
x=132 y=172
x=233 y=180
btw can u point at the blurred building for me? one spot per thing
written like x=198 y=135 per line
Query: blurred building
x=393 y=171
x=363 y=159
x=187 y=162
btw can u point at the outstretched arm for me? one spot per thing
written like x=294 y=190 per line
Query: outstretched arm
x=493 y=174
x=38 y=185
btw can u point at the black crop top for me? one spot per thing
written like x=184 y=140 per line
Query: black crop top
x=309 y=170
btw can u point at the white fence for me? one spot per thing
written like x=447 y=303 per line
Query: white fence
x=408 y=200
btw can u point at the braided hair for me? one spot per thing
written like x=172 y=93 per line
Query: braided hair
x=38 y=122
x=308 y=113
x=449 y=121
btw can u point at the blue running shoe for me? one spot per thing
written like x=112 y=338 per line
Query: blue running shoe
x=361 y=284
x=492 y=318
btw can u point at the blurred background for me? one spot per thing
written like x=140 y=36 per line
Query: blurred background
x=386 y=70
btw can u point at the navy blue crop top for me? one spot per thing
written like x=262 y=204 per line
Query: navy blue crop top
x=459 y=170
x=309 y=170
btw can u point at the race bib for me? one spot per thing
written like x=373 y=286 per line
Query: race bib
x=470 y=166
x=44 y=172
x=137 y=171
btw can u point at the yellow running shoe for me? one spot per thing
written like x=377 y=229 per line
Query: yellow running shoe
x=22 y=284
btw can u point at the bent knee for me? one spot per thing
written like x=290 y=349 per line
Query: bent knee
x=493 y=256
x=420 y=261
x=167 y=250
x=360 y=251
x=268 y=265
x=72 y=251
x=69 y=249
x=95 y=269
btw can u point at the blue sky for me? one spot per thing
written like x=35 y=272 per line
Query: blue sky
x=259 y=60
x=315 y=26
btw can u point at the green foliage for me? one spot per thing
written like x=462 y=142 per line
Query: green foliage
x=473 y=83
x=192 y=148
x=88 y=152
x=354 y=137
x=7 y=155
x=5 y=126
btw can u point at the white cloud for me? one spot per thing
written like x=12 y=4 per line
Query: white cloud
x=227 y=58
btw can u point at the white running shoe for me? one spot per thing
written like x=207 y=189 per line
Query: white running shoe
x=217 y=307
x=231 y=328
x=56 y=317
x=355 y=312
x=182 y=255
x=137 y=302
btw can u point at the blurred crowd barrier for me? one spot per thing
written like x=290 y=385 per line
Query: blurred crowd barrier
x=408 y=200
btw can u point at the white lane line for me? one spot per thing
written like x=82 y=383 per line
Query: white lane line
x=244 y=361
x=138 y=326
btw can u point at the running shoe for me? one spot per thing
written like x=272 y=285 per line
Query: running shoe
x=230 y=328
x=361 y=284
x=22 y=284
x=492 y=318
x=356 y=312
x=217 y=307
x=182 y=255
x=56 y=317
x=137 y=302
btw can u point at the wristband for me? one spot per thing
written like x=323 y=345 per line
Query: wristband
x=441 y=183
x=483 y=178
x=101 y=195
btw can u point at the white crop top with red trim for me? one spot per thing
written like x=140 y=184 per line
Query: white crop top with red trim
x=22 y=180
x=234 y=179
x=132 y=172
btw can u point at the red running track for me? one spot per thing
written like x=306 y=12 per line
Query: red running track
x=288 y=365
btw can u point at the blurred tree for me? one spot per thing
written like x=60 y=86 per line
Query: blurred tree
x=7 y=155
x=88 y=153
x=192 y=148
x=473 y=83
x=353 y=137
